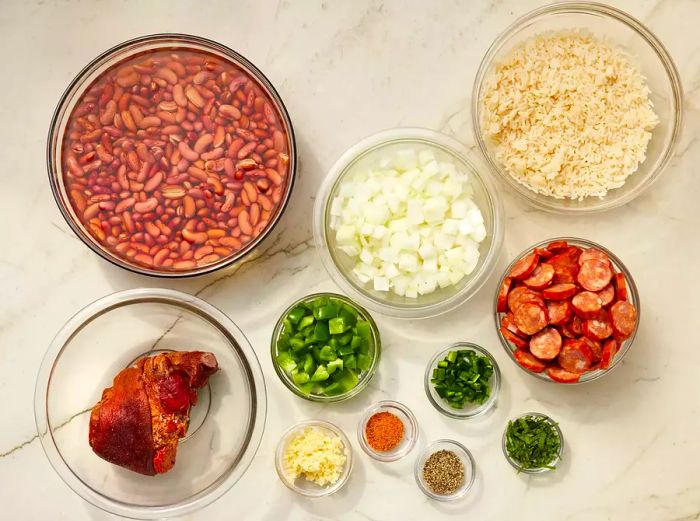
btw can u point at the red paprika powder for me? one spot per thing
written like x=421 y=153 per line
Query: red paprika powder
x=384 y=431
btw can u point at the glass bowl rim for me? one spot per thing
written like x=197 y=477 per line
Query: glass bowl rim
x=461 y=155
x=347 y=468
x=377 y=407
x=444 y=408
x=537 y=470
x=204 y=310
x=429 y=449
x=131 y=47
x=367 y=375
x=633 y=297
x=572 y=7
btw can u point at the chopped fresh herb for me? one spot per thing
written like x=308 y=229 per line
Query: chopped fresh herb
x=533 y=442
x=461 y=377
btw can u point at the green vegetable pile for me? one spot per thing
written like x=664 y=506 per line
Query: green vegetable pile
x=461 y=377
x=533 y=442
x=324 y=346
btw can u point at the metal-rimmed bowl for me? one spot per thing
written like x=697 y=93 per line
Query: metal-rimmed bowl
x=465 y=457
x=410 y=430
x=366 y=153
x=469 y=410
x=301 y=485
x=536 y=470
x=364 y=377
x=72 y=96
x=108 y=336
x=648 y=53
x=632 y=298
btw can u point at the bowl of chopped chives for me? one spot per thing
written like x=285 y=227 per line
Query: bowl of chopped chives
x=325 y=347
x=462 y=381
x=533 y=443
x=445 y=470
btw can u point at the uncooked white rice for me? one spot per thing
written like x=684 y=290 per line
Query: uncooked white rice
x=568 y=114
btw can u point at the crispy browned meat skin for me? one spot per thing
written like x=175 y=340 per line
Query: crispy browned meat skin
x=139 y=420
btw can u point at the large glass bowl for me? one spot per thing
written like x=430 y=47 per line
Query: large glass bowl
x=375 y=351
x=339 y=265
x=632 y=298
x=650 y=56
x=88 y=76
x=107 y=336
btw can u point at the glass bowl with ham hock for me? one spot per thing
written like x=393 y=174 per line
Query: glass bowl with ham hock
x=171 y=155
x=325 y=348
x=407 y=223
x=150 y=403
x=567 y=310
x=582 y=150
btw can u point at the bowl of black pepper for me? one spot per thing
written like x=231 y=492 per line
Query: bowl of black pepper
x=445 y=470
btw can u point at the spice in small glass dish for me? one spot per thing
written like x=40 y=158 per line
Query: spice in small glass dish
x=384 y=431
x=533 y=443
x=443 y=472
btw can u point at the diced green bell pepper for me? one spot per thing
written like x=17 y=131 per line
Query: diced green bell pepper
x=300 y=378
x=320 y=374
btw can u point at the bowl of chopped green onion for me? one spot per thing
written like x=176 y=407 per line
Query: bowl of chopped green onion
x=325 y=347
x=463 y=380
x=533 y=443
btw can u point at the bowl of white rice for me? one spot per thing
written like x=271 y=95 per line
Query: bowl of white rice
x=577 y=107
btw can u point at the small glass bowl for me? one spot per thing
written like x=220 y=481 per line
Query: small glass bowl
x=339 y=265
x=655 y=64
x=538 y=470
x=301 y=485
x=375 y=351
x=410 y=429
x=469 y=410
x=107 y=336
x=632 y=298
x=91 y=73
x=464 y=455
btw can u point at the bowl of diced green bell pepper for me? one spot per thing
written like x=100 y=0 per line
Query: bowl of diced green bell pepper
x=325 y=347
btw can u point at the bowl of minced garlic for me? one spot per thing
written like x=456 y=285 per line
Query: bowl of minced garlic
x=387 y=431
x=314 y=458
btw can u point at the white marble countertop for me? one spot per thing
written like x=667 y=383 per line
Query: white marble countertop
x=345 y=70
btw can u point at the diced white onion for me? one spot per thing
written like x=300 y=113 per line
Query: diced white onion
x=410 y=223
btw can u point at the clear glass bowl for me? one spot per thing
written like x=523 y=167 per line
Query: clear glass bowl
x=469 y=410
x=301 y=485
x=410 y=430
x=110 y=334
x=538 y=470
x=339 y=265
x=464 y=455
x=651 y=57
x=632 y=298
x=94 y=70
x=375 y=351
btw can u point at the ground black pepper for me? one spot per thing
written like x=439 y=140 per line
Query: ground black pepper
x=443 y=472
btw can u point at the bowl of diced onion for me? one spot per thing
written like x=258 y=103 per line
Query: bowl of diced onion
x=408 y=223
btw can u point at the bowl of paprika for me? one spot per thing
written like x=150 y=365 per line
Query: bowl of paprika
x=387 y=431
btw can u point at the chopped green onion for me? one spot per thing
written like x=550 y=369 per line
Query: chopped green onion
x=461 y=377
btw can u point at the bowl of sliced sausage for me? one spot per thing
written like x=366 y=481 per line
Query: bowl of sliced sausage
x=567 y=310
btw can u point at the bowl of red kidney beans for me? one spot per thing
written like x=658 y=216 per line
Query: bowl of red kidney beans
x=171 y=155
x=567 y=310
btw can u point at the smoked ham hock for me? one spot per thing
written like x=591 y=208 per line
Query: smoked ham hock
x=139 y=420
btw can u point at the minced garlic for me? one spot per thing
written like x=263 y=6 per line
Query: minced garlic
x=316 y=456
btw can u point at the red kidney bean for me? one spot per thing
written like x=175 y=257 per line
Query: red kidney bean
x=162 y=147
